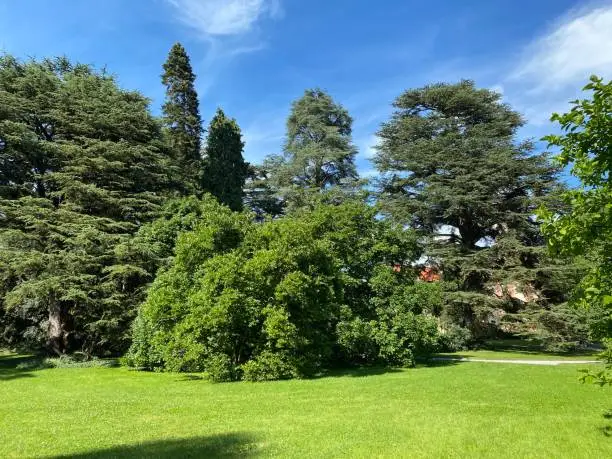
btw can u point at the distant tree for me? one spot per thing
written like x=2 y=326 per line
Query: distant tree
x=224 y=171
x=318 y=152
x=453 y=170
x=585 y=228
x=181 y=115
x=86 y=170
x=260 y=195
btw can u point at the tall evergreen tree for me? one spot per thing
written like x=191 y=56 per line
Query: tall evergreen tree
x=224 y=170
x=86 y=170
x=181 y=113
x=318 y=151
x=453 y=170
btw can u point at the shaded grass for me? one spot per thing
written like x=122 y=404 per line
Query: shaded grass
x=12 y=366
x=526 y=346
x=452 y=410
x=509 y=355
x=521 y=349
x=225 y=445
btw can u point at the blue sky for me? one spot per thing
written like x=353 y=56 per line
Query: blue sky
x=253 y=57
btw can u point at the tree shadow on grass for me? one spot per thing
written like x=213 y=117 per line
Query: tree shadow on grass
x=191 y=377
x=607 y=429
x=441 y=361
x=376 y=370
x=357 y=372
x=532 y=347
x=230 y=445
x=16 y=366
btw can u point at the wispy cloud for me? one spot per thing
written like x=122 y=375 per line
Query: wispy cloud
x=552 y=69
x=217 y=18
x=229 y=27
x=575 y=47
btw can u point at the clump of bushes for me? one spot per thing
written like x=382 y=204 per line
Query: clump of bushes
x=287 y=298
x=454 y=338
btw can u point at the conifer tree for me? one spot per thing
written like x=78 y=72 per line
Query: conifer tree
x=318 y=152
x=453 y=170
x=260 y=195
x=86 y=172
x=181 y=113
x=224 y=168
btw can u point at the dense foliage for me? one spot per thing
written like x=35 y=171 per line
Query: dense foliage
x=453 y=171
x=318 y=152
x=122 y=230
x=181 y=115
x=585 y=229
x=224 y=168
x=287 y=298
x=83 y=167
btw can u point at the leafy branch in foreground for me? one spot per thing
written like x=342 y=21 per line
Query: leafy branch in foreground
x=602 y=377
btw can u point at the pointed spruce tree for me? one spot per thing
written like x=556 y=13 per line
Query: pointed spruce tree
x=224 y=169
x=181 y=113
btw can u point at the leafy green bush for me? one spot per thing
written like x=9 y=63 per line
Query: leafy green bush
x=219 y=368
x=269 y=366
x=286 y=298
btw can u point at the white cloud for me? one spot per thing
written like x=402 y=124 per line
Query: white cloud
x=367 y=147
x=577 y=46
x=224 y=17
x=552 y=69
x=229 y=27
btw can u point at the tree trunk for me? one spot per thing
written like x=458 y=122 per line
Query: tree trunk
x=57 y=336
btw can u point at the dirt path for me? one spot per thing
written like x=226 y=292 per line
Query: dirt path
x=517 y=361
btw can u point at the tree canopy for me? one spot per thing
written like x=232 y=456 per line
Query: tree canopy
x=85 y=166
x=453 y=170
x=585 y=227
x=181 y=113
x=121 y=230
x=318 y=151
x=224 y=170
x=287 y=298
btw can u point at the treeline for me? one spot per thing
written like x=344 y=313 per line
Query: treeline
x=109 y=214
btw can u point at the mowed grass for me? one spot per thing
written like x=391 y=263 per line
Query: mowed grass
x=452 y=410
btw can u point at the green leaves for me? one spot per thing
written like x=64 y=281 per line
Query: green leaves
x=285 y=298
x=453 y=170
x=586 y=228
x=86 y=171
x=318 y=152
x=181 y=115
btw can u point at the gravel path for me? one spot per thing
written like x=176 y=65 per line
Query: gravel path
x=518 y=361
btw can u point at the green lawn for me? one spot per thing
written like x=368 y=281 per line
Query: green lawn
x=452 y=410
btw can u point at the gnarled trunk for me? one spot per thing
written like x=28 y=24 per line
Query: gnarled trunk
x=57 y=335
